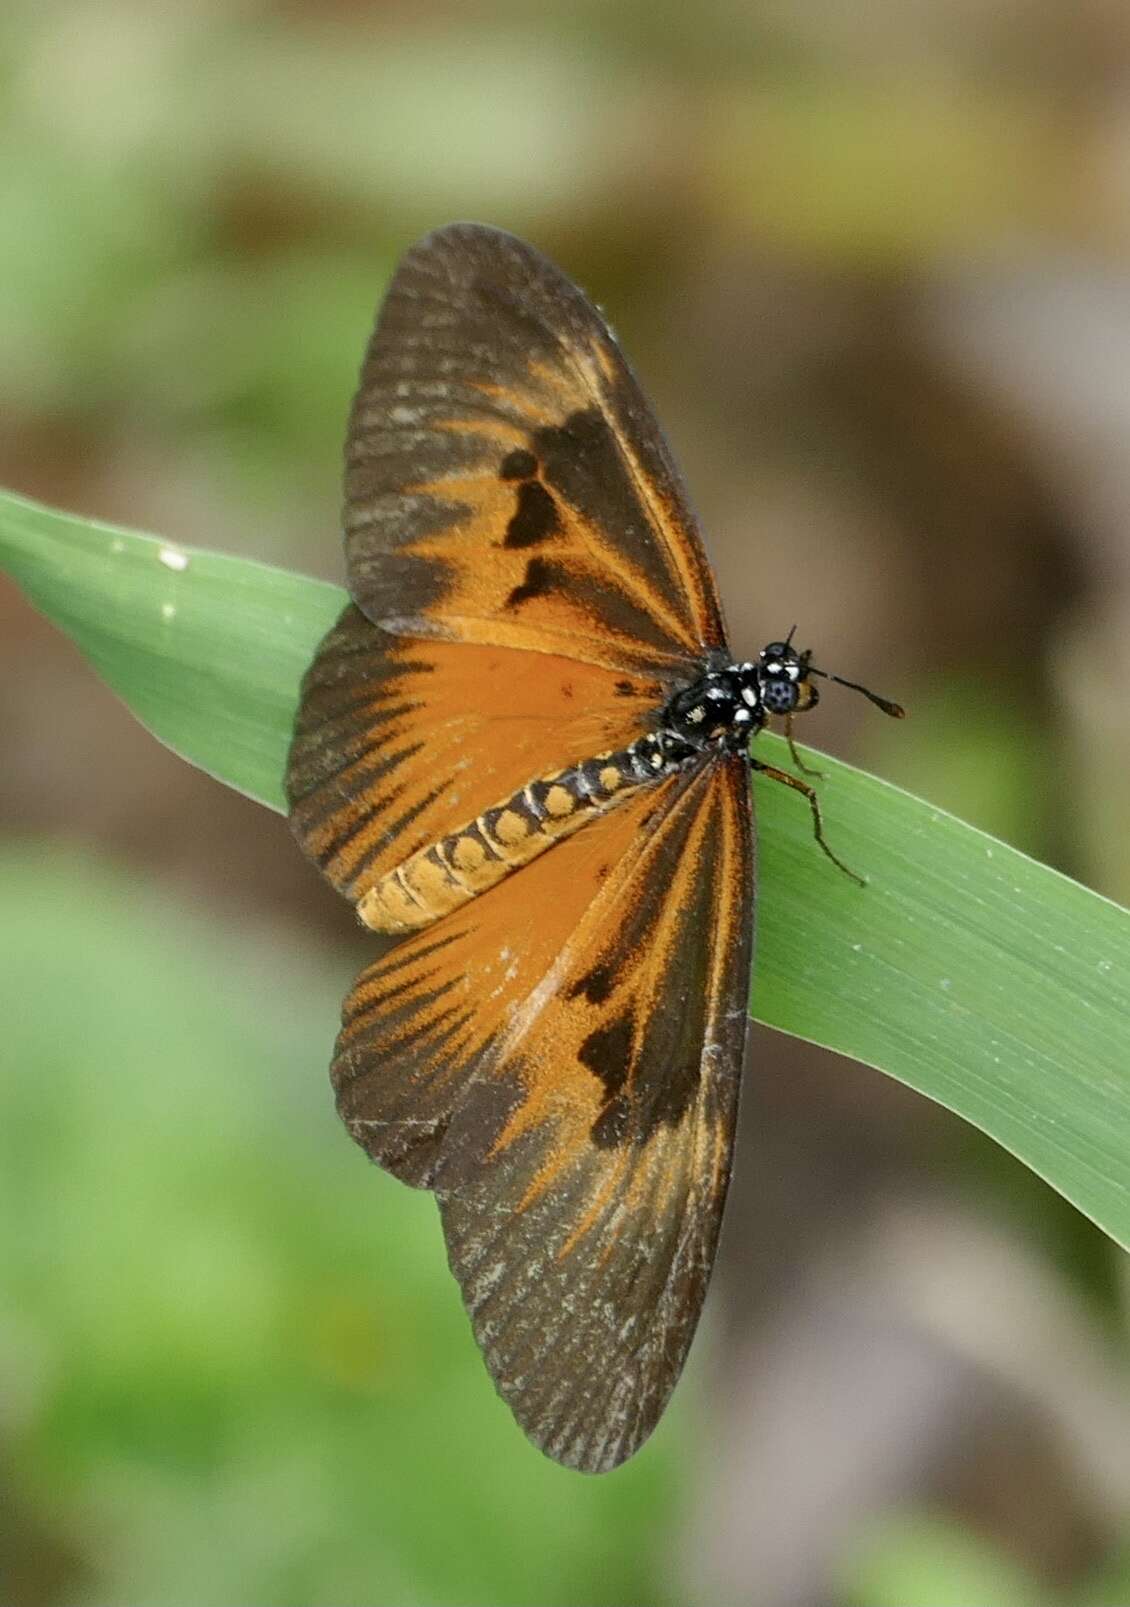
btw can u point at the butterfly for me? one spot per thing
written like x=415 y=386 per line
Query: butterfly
x=524 y=749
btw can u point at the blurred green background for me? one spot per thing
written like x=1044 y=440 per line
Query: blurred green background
x=871 y=264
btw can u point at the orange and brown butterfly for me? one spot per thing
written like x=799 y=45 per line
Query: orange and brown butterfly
x=524 y=746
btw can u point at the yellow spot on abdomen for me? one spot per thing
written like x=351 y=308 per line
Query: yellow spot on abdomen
x=468 y=854
x=510 y=828
x=610 y=778
x=559 y=802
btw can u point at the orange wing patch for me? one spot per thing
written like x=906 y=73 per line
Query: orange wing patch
x=505 y=482
x=432 y=1012
x=400 y=742
x=560 y=1062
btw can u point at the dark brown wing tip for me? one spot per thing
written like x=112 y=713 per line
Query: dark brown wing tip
x=487 y=234
x=592 y=1457
x=466 y=228
x=591 y=1449
x=467 y=247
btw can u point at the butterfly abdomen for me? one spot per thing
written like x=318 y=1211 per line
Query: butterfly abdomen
x=445 y=874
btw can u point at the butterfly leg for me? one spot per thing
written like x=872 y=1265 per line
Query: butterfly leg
x=798 y=785
x=805 y=770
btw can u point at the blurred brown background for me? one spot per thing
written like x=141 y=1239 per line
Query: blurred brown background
x=871 y=265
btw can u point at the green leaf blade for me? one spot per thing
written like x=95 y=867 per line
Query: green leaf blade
x=207 y=650
x=967 y=970
x=986 y=981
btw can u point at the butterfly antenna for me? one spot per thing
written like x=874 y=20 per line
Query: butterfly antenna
x=895 y=710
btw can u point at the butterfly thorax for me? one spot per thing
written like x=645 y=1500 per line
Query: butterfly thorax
x=727 y=706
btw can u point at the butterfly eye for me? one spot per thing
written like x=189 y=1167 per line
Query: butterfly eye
x=779 y=694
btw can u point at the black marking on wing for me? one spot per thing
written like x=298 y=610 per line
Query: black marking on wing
x=535 y=519
x=596 y=985
x=582 y=463
x=541 y=577
x=518 y=465
x=607 y=1052
x=611 y=1127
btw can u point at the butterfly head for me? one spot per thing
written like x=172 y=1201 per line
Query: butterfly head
x=783 y=680
x=730 y=704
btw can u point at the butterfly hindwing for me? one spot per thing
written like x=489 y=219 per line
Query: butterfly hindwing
x=505 y=480
x=560 y=1062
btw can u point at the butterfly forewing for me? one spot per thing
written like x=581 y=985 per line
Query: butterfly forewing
x=560 y=1062
x=505 y=481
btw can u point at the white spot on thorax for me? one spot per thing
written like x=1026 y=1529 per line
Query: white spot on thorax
x=172 y=559
x=168 y=610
